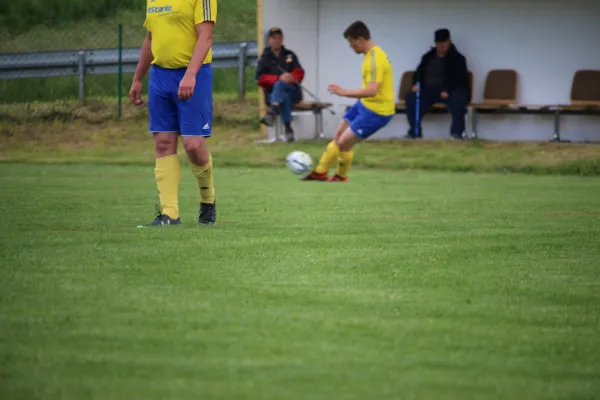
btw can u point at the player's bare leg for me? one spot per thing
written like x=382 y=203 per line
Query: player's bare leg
x=168 y=174
x=201 y=166
x=196 y=149
x=330 y=155
x=343 y=125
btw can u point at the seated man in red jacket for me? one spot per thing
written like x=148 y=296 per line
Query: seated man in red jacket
x=278 y=72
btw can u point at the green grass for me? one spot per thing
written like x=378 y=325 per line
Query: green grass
x=65 y=28
x=32 y=25
x=225 y=80
x=21 y=15
x=396 y=285
x=69 y=132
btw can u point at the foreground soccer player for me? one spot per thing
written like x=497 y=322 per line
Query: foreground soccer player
x=178 y=52
x=374 y=109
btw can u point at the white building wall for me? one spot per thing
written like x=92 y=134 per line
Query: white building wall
x=299 y=22
x=544 y=40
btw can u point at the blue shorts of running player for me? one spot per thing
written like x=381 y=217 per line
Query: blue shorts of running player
x=364 y=122
x=192 y=117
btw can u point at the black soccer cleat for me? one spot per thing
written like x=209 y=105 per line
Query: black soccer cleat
x=289 y=134
x=208 y=214
x=161 y=220
x=411 y=134
x=268 y=119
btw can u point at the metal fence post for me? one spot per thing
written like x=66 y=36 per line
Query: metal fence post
x=242 y=56
x=81 y=74
x=120 y=72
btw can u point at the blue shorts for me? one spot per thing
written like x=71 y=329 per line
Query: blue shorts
x=191 y=117
x=364 y=122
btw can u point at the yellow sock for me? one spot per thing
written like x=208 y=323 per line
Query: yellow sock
x=344 y=163
x=204 y=176
x=168 y=174
x=331 y=154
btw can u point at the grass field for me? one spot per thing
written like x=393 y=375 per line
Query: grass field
x=24 y=91
x=69 y=132
x=19 y=16
x=31 y=25
x=436 y=272
x=411 y=281
x=396 y=285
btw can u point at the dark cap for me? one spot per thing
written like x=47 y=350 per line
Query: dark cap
x=441 y=35
x=275 y=30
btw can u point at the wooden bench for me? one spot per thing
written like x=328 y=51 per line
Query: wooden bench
x=406 y=84
x=303 y=108
x=585 y=97
x=500 y=96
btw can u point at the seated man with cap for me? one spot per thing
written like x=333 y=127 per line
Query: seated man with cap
x=443 y=78
x=278 y=72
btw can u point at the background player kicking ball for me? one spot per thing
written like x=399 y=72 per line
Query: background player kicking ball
x=374 y=109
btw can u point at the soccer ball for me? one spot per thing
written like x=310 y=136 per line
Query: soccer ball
x=299 y=162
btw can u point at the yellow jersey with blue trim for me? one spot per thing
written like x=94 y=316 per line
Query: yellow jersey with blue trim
x=378 y=68
x=172 y=24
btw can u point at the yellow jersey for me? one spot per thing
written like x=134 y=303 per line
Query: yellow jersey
x=377 y=67
x=172 y=24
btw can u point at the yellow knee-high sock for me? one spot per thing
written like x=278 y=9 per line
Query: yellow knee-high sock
x=330 y=155
x=168 y=174
x=204 y=176
x=344 y=163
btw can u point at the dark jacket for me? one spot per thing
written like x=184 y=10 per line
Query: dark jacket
x=456 y=74
x=270 y=67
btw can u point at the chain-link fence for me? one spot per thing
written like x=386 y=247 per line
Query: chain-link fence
x=79 y=60
x=45 y=60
